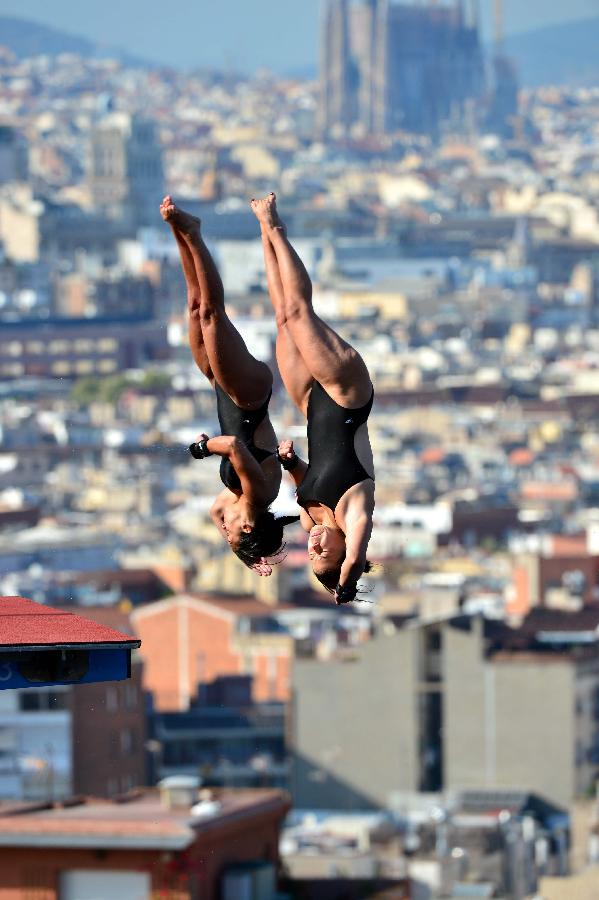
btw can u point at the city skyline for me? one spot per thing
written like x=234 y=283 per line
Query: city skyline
x=439 y=736
x=223 y=34
x=373 y=81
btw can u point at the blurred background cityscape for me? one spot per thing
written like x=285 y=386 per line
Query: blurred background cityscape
x=439 y=174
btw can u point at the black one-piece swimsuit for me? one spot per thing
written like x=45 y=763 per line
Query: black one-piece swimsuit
x=242 y=423
x=333 y=465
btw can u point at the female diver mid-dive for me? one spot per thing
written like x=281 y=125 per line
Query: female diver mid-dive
x=328 y=381
x=249 y=468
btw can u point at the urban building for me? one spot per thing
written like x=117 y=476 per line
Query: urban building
x=13 y=156
x=34 y=226
x=190 y=640
x=68 y=348
x=461 y=262
x=125 y=169
x=60 y=549
x=229 y=744
x=63 y=741
x=464 y=703
x=470 y=844
x=389 y=67
x=117 y=296
x=561 y=572
x=504 y=101
x=173 y=843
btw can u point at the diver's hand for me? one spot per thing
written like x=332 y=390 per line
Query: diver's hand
x=287 y=455
x=199 y=449
x=345 y=593
x=262 y=567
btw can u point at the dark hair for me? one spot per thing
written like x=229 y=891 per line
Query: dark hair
x=330 y=579
x=265 y=539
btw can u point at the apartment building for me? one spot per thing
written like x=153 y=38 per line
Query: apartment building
x=70 y=348
x=172 y=844
x=461 y=703
x=190 y=640
x=65 y=740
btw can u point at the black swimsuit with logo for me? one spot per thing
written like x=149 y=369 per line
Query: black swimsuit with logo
x=333 y=464
x=242 y=423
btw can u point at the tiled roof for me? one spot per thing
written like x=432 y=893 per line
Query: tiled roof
x=24 y=623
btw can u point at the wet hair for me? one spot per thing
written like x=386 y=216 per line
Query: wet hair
x=264 y=540
x=330 y=579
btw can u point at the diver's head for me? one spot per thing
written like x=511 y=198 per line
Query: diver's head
x=260 y=539
x=326 y=552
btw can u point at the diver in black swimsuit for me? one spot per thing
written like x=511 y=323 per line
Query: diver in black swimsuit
x=329 y=382
x=249 y=468
x=333 y=465
x=243 y=423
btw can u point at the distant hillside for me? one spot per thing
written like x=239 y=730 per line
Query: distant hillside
x=558 y=54
x=27 y=38
x=555 y=54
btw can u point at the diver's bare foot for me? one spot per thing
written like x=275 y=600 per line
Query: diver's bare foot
x=178 y=218
x=166 y=208
x=266 y=212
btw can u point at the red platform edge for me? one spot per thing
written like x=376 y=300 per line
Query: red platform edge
x=25 y=623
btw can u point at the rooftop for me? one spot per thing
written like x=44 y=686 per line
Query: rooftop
x=26 y=624
x=135 y=821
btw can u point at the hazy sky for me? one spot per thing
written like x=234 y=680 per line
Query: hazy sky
x=244 y=34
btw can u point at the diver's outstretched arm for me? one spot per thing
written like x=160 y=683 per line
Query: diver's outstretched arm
x=254 y=486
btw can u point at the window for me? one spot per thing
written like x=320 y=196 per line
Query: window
x=83 y=345
x=126 y=741
x=42 y=701
x=106 y=365
x=57 y=347
x=29 y=701
x=60 y=368
x=15 y=348
x=84 y=367
x=130 y=695
x=106 y=345
x=112 y=698
x=77 y=883
x=35 y=347
x=12 y=369
x=127 y=783
x=57 y=701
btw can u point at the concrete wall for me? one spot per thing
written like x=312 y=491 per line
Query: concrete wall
x=586 y=724
x=467 y=750
x=509 y=721
x=354 y=728
x=535 y=744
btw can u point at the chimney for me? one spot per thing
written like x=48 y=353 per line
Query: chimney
x=178 y=791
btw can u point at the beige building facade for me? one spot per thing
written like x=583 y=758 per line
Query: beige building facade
x=440 y=706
